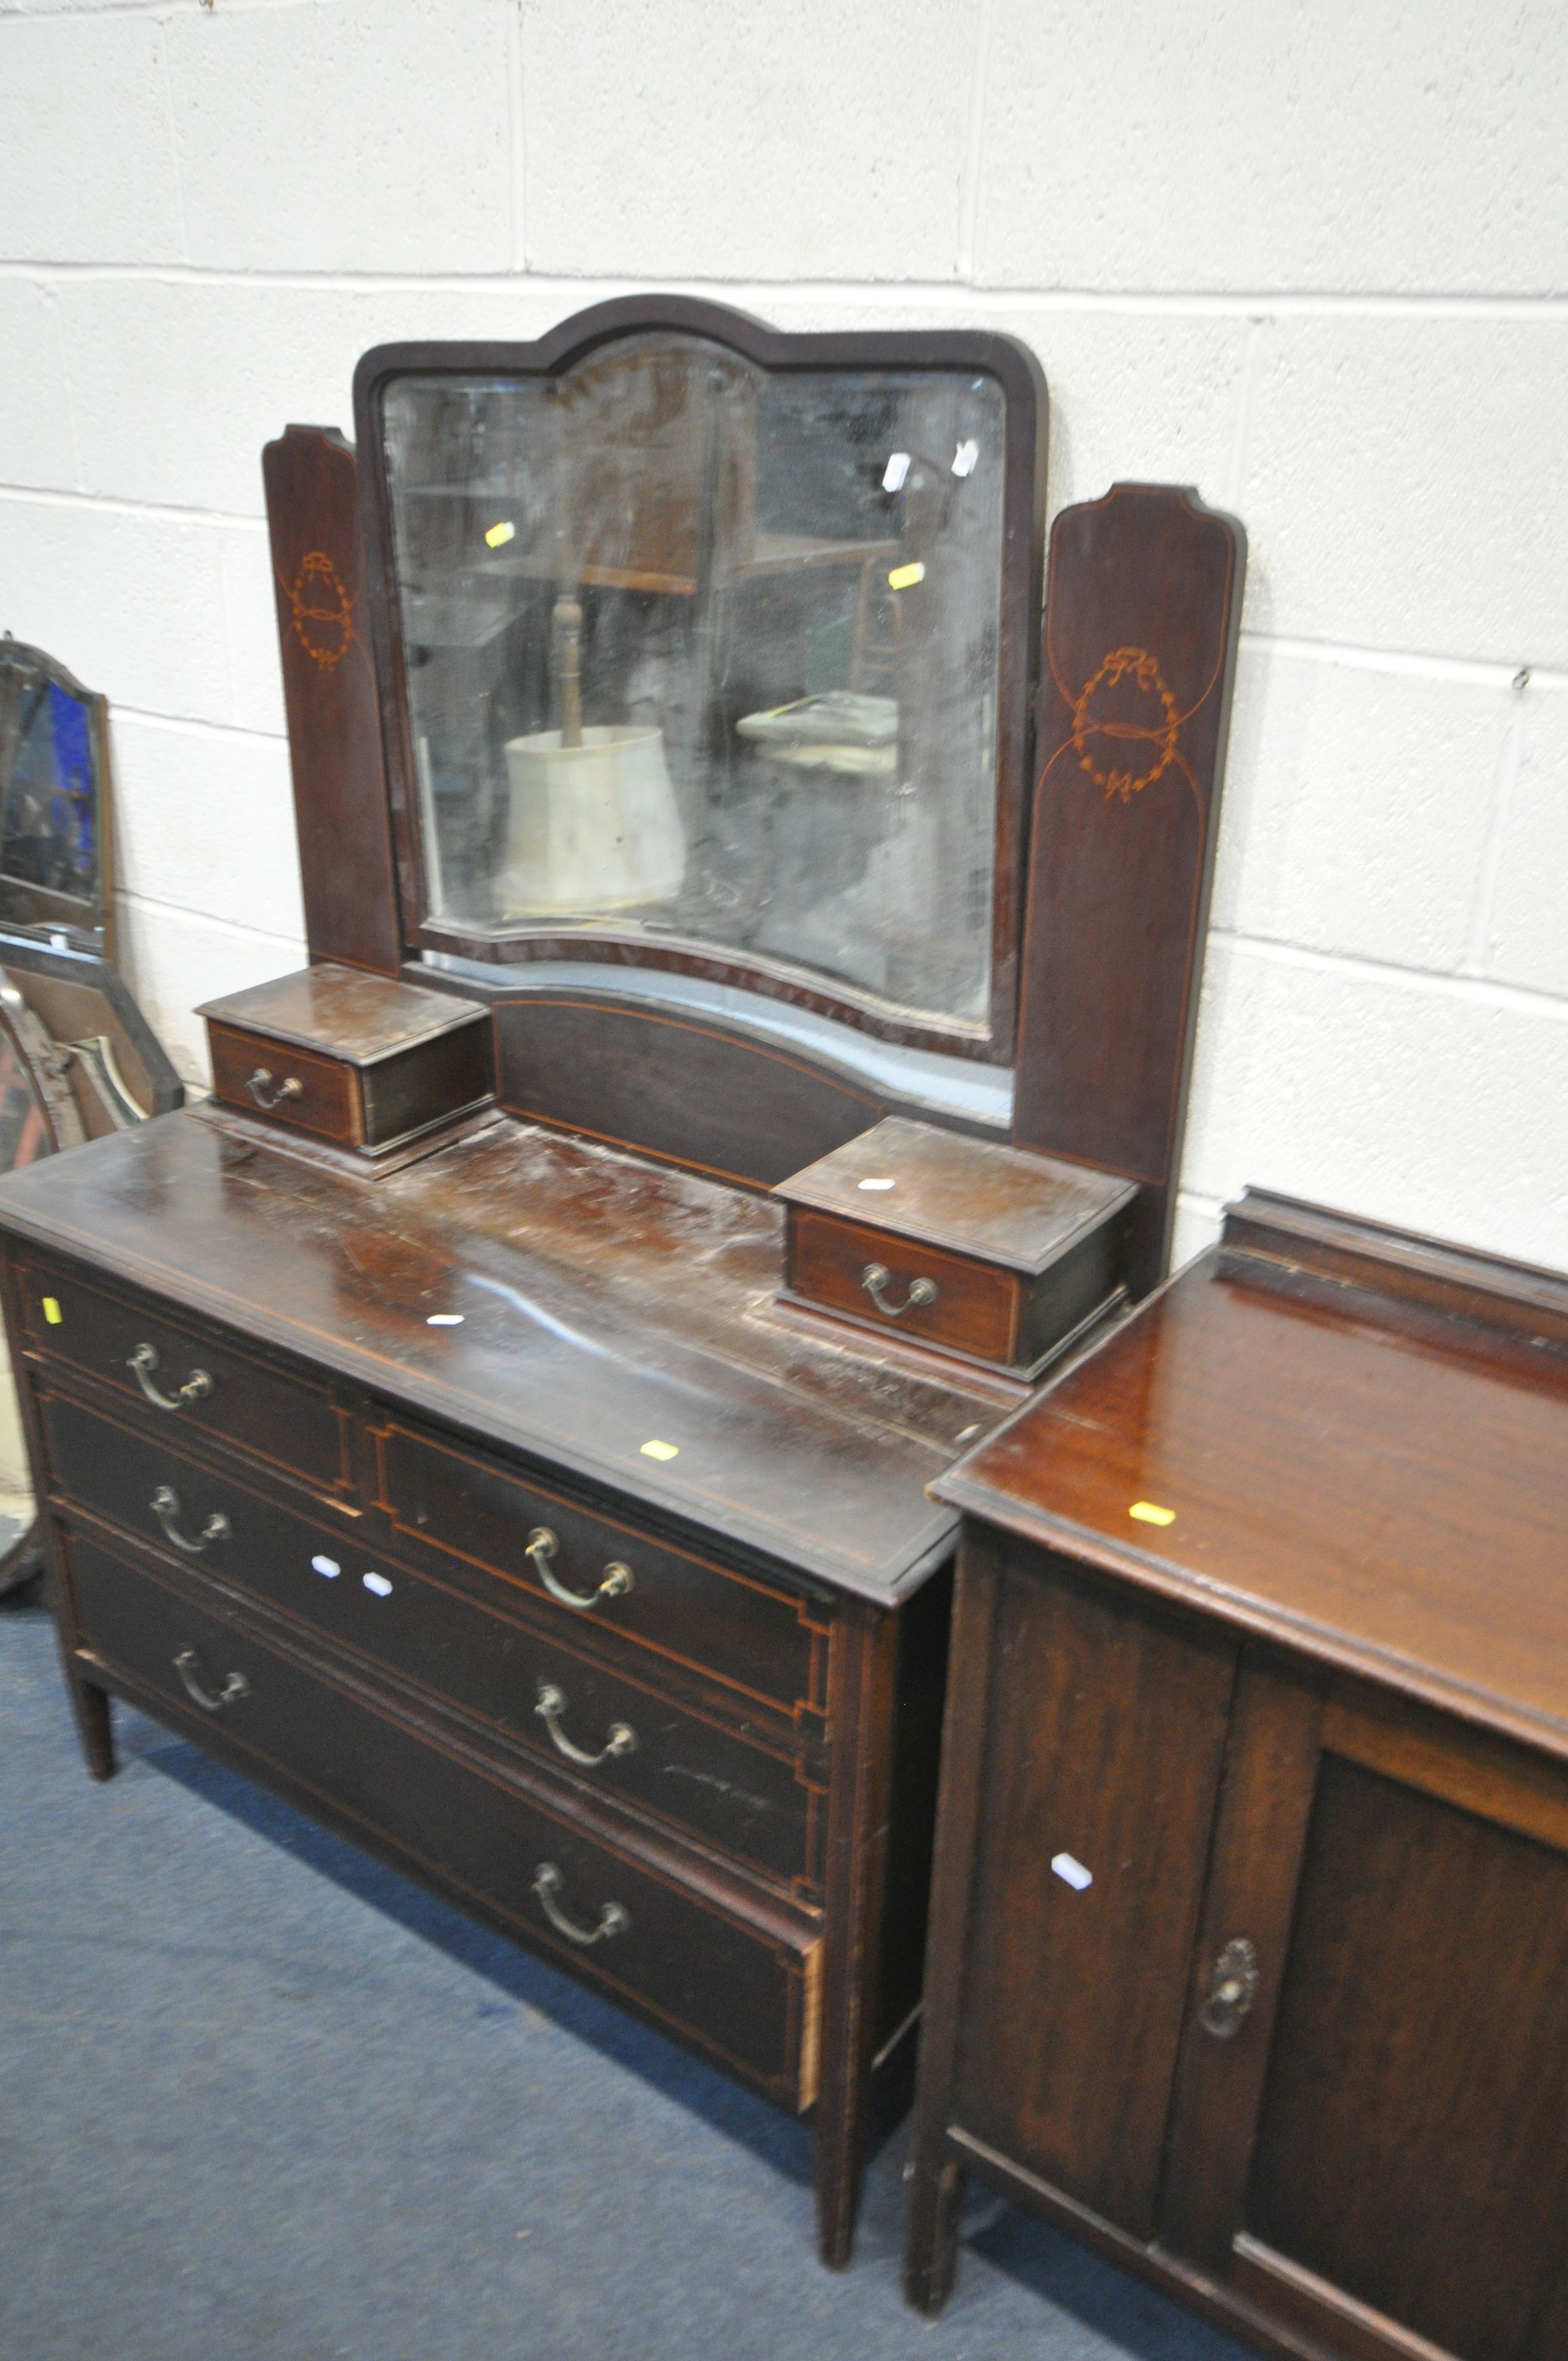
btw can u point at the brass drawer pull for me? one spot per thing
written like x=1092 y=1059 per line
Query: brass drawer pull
x=613 y=1920
x=875 y=1279
x=187 y=1664
x=260 y=1084
x=543 y=1547
x=620 y=1739
x=144 y=1361
x=1232 y=1991
x=165 y=1507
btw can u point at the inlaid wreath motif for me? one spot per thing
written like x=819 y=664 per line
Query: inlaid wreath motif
x=322 y=610
x=1136 y=666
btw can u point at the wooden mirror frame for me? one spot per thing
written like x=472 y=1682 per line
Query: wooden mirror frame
x=1019 y=375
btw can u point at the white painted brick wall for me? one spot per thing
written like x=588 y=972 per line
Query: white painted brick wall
x=1310 y=259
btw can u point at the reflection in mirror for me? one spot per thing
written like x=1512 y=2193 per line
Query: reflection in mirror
x=701 y=651
x=52 y=797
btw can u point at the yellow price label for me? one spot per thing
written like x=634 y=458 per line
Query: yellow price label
x=1148 y=1513
x=904 y=578
x=657 y=1450
x=52 y=1312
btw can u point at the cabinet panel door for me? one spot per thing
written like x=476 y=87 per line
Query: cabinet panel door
x=1106 y=1735
x=1412 y=2145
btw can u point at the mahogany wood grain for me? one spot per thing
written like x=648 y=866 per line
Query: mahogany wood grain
x=1296 y=1447
x=976 y=1307
x=326 y=1101
x=282 y=1416
x=718 y=1969
x=936 y=2178
x=1367 y=2166
x=1419 y=2045
x=479 y=1658
x=726 y=1624
x=793 y=1454
x=329 y=694
x=1271 y=1761
x=693 y=1092
x=861 y=1711
x=1105 y=1737
x=1142 y=614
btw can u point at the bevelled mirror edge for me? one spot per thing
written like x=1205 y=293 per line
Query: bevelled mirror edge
x=1005 y=365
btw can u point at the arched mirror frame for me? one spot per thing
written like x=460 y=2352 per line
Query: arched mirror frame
x=1018 y=375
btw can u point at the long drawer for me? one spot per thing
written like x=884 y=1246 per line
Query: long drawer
x=603 y=1572
x=743 y=1991
x=603 y=1726
x=183 y=1375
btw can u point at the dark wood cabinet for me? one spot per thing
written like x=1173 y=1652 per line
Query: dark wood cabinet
x=1250 y=1929
x=423 y=1422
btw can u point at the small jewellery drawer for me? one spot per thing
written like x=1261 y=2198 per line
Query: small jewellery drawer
x=281 y=1084
x=186 y=1377
x=898 y=1283
x=602 y=1575
x=615 y=1733
x=742 y=1988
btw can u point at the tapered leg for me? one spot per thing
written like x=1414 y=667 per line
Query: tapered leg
x=862 y=1716
x=931 y=2235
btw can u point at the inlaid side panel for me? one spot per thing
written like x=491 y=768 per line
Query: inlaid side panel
x=1142 y=612
x=329 y=693
x=1419 y=2060
x=1106 y=1734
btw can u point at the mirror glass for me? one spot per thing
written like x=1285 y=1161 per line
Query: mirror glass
x=707 y=652
x=51 y=801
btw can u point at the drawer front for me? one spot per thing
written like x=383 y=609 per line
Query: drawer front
x=703 y=1778
x=616 y=1580
x=326 y=1100
x=744 y=1994
x=975 y=1307
x=133 y=1347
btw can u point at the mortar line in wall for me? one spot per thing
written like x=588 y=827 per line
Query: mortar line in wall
x=191 y=726
x=1228 y=304
x=128 y=895
x=974 y=158
x=159 y=511
x=1479 y=672
x=1520 y=999
x=1504 y=777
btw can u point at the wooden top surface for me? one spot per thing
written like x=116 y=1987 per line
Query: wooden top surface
x=605 y=1303
x=343 y=1013
x=998 y=1204
x=1380 y=1482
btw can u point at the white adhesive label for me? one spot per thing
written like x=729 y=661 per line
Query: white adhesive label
x=876 y=1184
x=965 y=457
x=380 y=1585
x=445 y=1320
x=1072 y=1873
x=893 y=474
x=327 y=1566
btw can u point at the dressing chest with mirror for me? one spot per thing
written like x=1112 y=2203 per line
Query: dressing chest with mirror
x=745 y=1044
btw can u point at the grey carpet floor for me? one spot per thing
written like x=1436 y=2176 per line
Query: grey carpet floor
x=262 y=2100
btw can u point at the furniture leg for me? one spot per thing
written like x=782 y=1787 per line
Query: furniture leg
x=931 y=2238
x=857 y=1863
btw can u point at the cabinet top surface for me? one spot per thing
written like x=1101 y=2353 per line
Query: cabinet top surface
x=588 y=1304
x=1000 y=1203
x=1378 y=1483
x=343 y=1014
